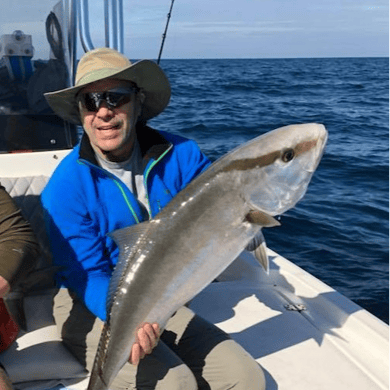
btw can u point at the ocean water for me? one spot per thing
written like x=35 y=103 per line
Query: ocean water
x=339 y=232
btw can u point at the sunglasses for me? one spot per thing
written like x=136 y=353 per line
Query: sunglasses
x=113 y=98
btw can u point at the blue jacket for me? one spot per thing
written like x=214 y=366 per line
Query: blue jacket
x=83 y=202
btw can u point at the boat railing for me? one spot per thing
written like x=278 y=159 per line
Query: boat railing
x=113 y=24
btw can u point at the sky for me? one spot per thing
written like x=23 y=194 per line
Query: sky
x=228 y=28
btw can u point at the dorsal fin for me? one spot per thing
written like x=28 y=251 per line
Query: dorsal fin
x=127 y=240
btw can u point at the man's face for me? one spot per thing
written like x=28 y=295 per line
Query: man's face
x=111 y=130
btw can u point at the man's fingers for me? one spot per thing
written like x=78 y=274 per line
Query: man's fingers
x=156 y=329
x=143 y=340
x=135 y=355
x=147 y=339
x=150 y=330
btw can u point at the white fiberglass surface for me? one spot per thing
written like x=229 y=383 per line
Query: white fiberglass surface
x=302 y=332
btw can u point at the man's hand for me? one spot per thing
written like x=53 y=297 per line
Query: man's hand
x=147 y=339
x=4 y=287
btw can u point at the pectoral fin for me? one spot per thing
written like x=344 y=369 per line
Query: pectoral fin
x=260 y=218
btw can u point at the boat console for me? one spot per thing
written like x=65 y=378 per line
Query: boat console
x=26 y=121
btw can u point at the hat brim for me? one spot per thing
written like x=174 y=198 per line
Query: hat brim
x=148 y=76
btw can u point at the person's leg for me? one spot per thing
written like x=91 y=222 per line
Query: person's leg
x=78 y=326
x=161 y=370
x=229 y=366
x=217 y=362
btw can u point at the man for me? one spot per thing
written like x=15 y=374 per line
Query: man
x=18 y=254
x=122 y=173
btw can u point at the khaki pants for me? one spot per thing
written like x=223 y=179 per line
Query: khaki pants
x=192 y=353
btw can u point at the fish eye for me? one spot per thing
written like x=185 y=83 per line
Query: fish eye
x=288 y=155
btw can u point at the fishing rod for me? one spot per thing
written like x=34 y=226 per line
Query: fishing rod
x=165 y=32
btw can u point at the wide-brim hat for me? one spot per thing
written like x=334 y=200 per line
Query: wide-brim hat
x=105 y=63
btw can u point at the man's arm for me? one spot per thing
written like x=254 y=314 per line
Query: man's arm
x=18 y=254
x=18 y=246
x=77 y=245
x=87 y=273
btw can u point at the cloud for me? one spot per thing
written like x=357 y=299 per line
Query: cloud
x=237 y=27
x=366 y=7
x=351 y=6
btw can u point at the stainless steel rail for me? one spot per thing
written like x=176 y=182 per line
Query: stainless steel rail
x=83 y=22
x=113 y=24
x=72 y=41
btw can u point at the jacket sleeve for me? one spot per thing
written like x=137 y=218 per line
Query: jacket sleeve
x=76 y=243
x=18 y=246
x=192 y=162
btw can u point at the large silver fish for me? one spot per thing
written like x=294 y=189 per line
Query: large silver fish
x=165 y=262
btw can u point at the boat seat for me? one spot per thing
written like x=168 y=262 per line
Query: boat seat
x=38 y=358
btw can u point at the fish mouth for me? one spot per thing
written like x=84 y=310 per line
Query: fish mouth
x=321 y=143
x=322 y=136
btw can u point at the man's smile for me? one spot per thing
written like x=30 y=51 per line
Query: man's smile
x=110 y=127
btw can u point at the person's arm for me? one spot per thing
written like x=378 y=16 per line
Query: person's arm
x=18 y=246
x=18 y=254
x=78 y=247
x=77 y=230
x=192 y=162
x=4 y=287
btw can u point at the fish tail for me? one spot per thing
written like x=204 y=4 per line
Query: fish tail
x=96 y=383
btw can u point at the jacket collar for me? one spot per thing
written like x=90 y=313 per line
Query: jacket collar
x=151 y=142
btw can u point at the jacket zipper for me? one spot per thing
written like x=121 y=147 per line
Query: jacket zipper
x=126 y=200
x=153 y=164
